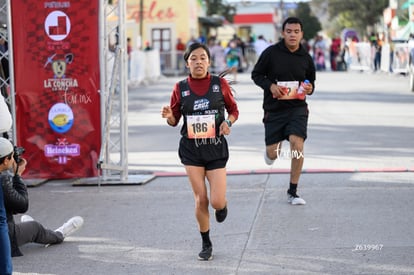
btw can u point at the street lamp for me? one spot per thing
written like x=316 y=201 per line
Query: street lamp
x=141 y=21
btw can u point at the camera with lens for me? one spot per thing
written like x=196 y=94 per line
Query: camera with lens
x=18 y=151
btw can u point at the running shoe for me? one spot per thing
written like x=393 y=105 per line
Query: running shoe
x=71 y=226
x=294 y=199
x=206 y=254
x=221 y=214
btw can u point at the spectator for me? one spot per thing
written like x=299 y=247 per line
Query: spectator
x=129 y=50
x=16 y=201
x=318 y=48
x=6 y=162
x=377 y=45
x=260 y=45
x=233 y=57
x=218 y=56
x=305 y=44
x=334 y=52
x=192 y=41
x=180 y=48
x=320 y=61
x=147 y=46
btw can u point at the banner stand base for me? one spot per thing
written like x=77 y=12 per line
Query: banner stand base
x=114 y=180
x=34 y=182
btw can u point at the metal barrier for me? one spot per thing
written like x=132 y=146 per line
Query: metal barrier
x=147 y=66
x=172 y=63
x=144 y=67
x=401 y=57
x=361 y=57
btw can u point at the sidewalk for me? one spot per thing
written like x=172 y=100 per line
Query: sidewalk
x=358 y=184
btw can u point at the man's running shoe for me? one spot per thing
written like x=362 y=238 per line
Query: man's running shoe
x=294 y=199
x=267 y=159
x=206 y=253
x=221 y=214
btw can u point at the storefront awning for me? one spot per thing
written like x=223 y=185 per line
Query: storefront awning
x=211 y=21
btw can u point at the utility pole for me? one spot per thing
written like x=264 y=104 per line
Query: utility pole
x=141 y=23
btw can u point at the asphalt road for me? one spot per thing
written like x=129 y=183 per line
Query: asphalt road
x=357 y=121
x=357 y=181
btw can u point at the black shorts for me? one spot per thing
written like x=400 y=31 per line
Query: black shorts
x=208 y=153
x=280 y=125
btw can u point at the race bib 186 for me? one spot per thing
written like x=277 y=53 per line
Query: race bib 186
x=201 y=126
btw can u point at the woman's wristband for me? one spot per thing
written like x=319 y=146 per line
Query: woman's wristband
x=228 y=122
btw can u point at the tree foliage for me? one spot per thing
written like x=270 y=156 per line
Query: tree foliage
x=358 y=14
x=311 y=24
x=217 y=7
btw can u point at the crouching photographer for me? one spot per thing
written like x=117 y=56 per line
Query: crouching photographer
x=6 y=153
x=16 y=201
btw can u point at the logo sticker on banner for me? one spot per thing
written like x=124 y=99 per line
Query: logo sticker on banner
x=57 y=25
x=61 y=118
x=56 y=69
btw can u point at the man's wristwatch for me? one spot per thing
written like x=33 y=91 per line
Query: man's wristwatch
x=228 y=122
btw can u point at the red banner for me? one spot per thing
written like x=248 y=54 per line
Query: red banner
x=56 y=74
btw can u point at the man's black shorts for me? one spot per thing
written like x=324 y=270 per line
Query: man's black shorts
x=280 y=125
x=208 y=153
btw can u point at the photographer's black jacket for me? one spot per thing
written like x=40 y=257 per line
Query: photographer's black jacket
x=278 y=63
x=16 y=200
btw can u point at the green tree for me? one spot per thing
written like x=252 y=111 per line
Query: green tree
x=311 y=24
x=361 y=15
x=217 y=7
